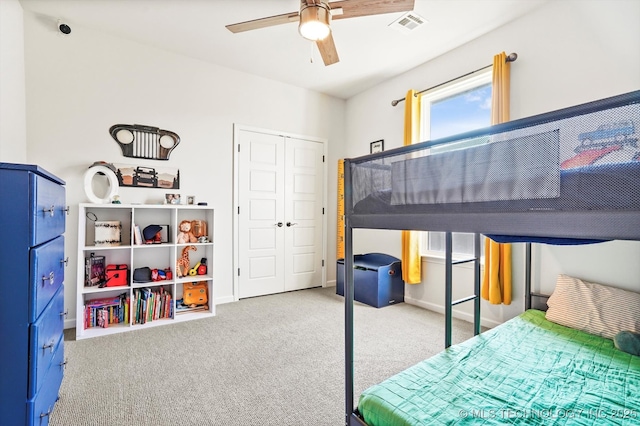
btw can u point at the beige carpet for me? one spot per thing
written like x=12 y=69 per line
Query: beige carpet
x=271 y=360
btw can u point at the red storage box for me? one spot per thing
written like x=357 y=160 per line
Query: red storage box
x=117 y=275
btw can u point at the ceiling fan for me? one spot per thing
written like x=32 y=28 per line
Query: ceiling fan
x=314 y=18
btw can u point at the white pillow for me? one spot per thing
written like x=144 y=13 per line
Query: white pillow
x=594 y=308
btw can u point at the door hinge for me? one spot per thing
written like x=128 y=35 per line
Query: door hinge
x=323 y=210
x=238 y=147
x=322 y=262
x=238 y=271
x=323 y=158
x=238 y=209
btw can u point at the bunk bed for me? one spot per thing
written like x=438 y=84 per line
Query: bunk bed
x=570 y=176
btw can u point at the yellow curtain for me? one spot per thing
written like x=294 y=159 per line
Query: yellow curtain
x=340 y=234
x=411 y=262
x=496 y=282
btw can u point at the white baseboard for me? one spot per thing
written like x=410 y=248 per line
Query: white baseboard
x=331 y=283
x=485 y=322
x=223 y=300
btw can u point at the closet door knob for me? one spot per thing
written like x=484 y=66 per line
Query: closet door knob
x=279 y=224
x=291 y=223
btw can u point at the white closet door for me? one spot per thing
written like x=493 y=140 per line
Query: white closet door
x=303 y=214
x=261 y=227
x=280 y=240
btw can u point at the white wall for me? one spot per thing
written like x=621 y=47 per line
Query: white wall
x=80 y=85
x=13 y=137
x=570 y=52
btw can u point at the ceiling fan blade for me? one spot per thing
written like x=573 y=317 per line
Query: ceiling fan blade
x=356 y=8
x=264 y=22
x=328 y=50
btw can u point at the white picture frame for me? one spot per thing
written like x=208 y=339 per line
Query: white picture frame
x=376 y=146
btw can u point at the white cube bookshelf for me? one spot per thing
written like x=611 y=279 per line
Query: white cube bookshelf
x=155 y=256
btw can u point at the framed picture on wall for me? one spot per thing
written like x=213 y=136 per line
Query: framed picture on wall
x=377 y=146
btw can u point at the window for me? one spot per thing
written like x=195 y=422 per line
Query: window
x=461 y=106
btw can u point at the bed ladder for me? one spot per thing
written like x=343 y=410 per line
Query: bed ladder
x=448 y=278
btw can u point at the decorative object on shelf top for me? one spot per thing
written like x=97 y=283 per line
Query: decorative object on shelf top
x=172 y=198
x=101 y=168
x=139 y=141
x=148 y=177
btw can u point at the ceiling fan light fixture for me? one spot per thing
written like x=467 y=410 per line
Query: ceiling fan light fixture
x=314 y=21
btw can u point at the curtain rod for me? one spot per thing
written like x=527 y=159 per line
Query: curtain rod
x=511 y=58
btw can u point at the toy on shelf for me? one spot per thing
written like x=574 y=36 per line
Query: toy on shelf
x=202 y=269
x=199 y=229
x=185 y=235
x=152 y=234
x=183 y=264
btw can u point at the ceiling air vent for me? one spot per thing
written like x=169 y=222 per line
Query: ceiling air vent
x=408 y=22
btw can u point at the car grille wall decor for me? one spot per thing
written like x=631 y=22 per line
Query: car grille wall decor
x=138 y=141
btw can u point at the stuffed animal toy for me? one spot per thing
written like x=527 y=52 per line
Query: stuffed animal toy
x=185 y=235
x=183 y=264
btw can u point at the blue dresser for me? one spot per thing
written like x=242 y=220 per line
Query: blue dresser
x=32 y=263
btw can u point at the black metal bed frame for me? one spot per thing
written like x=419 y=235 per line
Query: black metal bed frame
x=593 y=224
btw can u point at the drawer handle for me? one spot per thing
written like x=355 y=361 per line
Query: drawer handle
x=48 y=413
x=50 y=210
x=63 y=364
x=49 y=346
x=67 y=210
x=64 y=314
x=65 y=262
x=50 y=278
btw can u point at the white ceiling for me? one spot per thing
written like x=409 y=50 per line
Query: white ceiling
x=369 y=50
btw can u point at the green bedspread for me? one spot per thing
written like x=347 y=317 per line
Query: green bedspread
x=525 y=371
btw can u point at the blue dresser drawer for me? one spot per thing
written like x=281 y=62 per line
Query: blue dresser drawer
x=46 y=276
x=45 y=336
x=48 y=209
x=40 y=407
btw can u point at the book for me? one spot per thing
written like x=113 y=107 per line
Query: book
x=137 y=235
x=107 y=310
x=95 y=274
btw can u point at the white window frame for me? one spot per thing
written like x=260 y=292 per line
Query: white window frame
x=455 y=87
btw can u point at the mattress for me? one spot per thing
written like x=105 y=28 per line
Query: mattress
x=525 y=371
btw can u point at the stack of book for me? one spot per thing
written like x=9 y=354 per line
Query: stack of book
x=105 y=311
x=181 y=308
x=151 y=304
